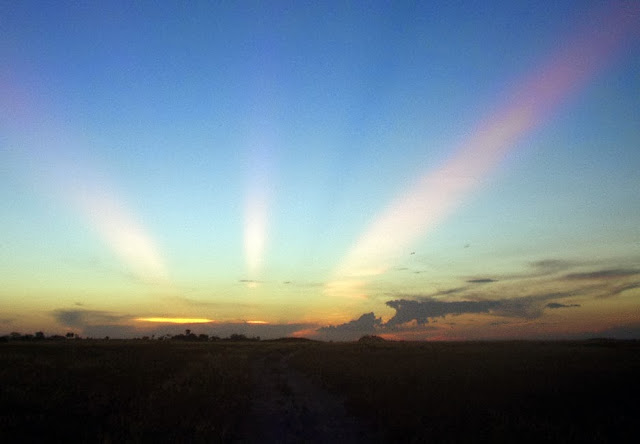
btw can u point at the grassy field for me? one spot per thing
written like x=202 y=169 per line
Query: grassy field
x=113 y=391
x=164 y=391
x=485 y=392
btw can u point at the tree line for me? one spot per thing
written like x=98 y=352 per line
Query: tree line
x=187 y=336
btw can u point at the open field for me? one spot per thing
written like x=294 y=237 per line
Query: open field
x=165 y=391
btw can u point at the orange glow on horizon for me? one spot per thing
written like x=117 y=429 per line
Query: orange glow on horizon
x=256 y=322
x=177 y=320
x=306 y=333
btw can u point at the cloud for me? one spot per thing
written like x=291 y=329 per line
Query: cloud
x=83 y=318
x=549 y=266
x=615 y=290
x=422 y=311
x=426 y=309
x=413 y=314
x=449 y=291
x=616 y=273
x=365 y=324
x=558 y=305
x=527 y=307
x=542 y=268
x=620 y=288
x=209 y=304
x=481 y=281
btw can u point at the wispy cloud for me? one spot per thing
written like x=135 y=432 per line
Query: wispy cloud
x=212 y=303
x=549 y=266
x=558 y=305
x=615 y=290
x=617 y=273
x=481 y=281
x=449 y=291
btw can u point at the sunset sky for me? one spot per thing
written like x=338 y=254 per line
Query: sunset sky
x=437 y=170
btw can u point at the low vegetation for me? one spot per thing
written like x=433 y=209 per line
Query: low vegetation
x=121 y=391
x=485 y=392
x=74 y=390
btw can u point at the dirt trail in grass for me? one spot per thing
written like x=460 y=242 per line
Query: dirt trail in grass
x=287 y=407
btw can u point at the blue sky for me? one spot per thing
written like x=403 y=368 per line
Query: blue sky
x=238 y=162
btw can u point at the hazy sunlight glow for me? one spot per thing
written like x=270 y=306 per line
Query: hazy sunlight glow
x=177 y=320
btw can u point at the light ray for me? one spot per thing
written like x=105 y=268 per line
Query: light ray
x=437 y=193
x=255 y=232
x=56 y=163
x=122 y=233
x=257 y=209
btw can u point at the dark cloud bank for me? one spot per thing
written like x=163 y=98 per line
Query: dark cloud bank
x=365 y=324
x=427 y=309
x=412 y=310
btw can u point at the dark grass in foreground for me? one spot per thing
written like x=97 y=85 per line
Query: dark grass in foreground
x=486 y=392
x=83 y=391
x=153 y=391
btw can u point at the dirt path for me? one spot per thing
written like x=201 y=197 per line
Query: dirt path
x=288 y=408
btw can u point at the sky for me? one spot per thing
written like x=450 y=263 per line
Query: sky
x=414 y=170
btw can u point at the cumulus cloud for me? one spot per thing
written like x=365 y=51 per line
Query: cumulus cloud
x=426 y=309
x=417 y=312
x=365 y=324
x=422 y=311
